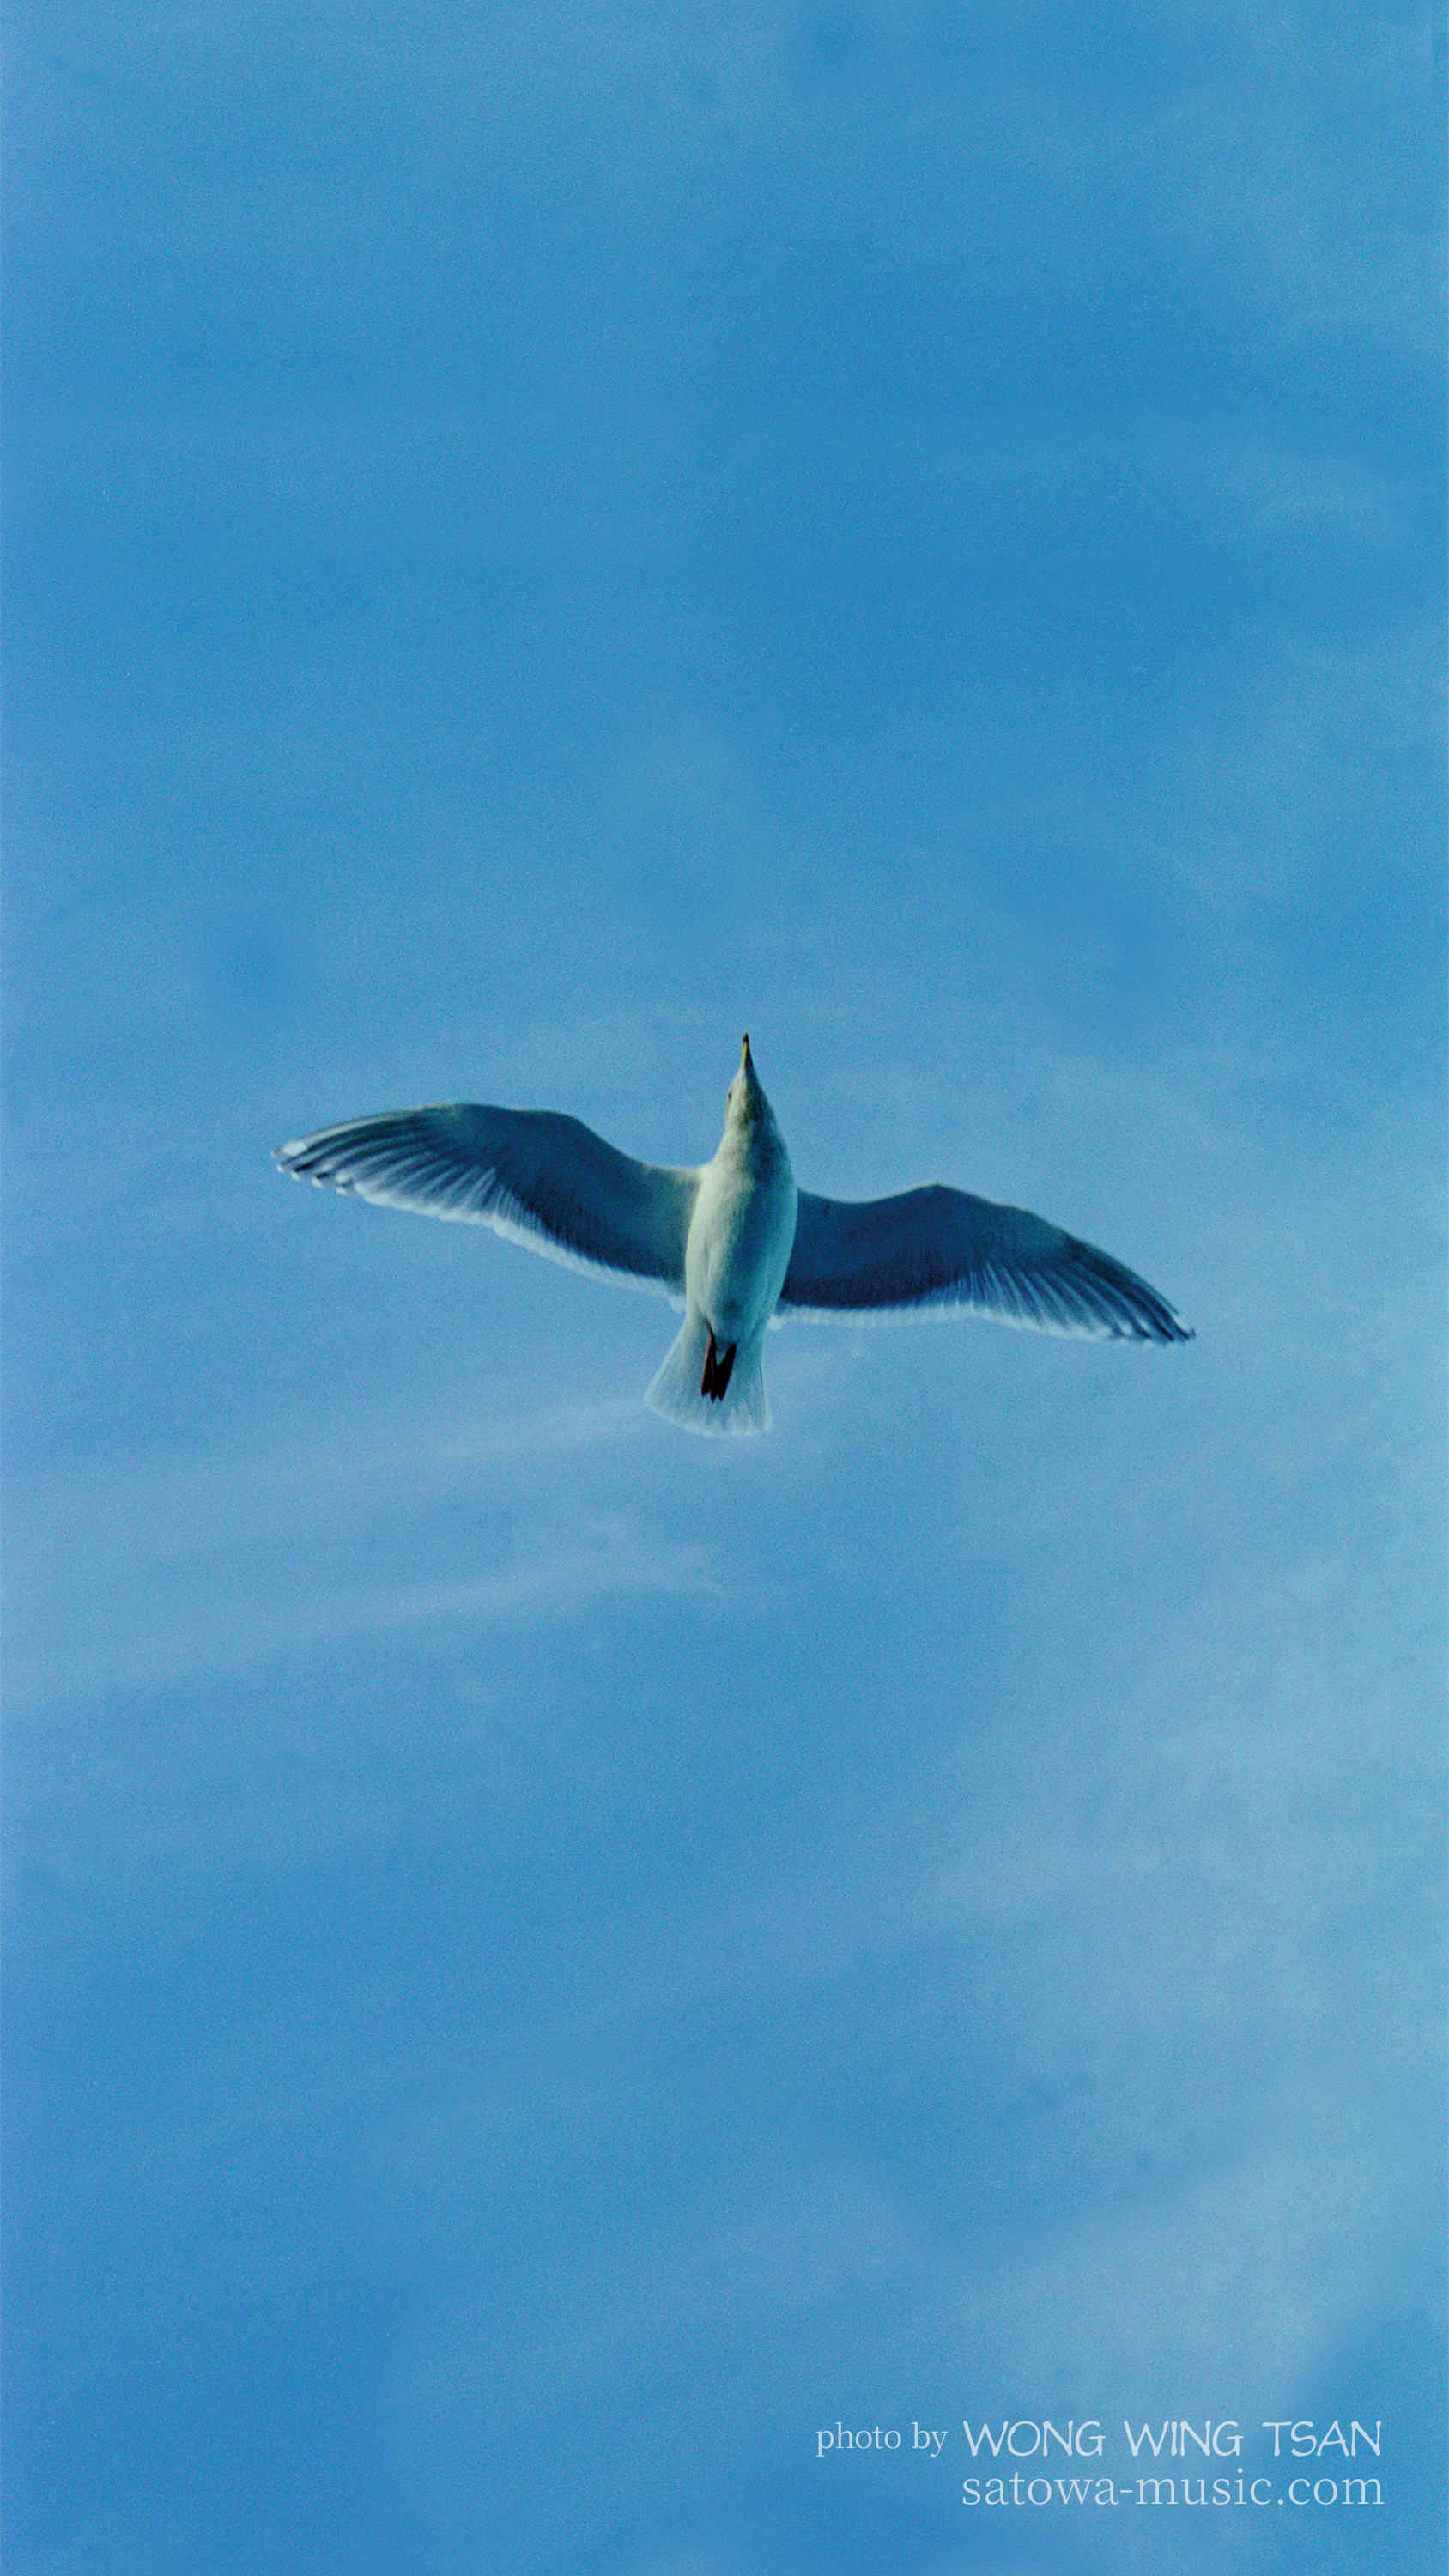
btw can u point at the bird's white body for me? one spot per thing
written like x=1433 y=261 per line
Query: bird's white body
x=736 y=1254
x=735 y=1239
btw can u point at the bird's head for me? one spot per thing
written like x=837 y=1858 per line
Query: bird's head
x=745 y=1102
x=750 y=1131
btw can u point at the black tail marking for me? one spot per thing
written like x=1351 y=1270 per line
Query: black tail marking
x=716 y=1370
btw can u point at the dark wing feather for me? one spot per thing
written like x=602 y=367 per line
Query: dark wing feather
x=542 y=1179
x=940 y=1247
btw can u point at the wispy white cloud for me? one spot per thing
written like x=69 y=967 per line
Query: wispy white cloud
x=192 y=1568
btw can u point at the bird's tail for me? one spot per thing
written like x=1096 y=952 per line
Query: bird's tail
x=678 y=1391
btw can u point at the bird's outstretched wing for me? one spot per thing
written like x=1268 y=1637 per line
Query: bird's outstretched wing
x=939 y=1247
x=543 y=1180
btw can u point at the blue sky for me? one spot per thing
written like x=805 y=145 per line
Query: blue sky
x=547 y=1961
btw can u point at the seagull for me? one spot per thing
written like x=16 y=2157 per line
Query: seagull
x=735 y=1241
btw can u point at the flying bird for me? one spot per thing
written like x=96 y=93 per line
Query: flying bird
x=735 y=1240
